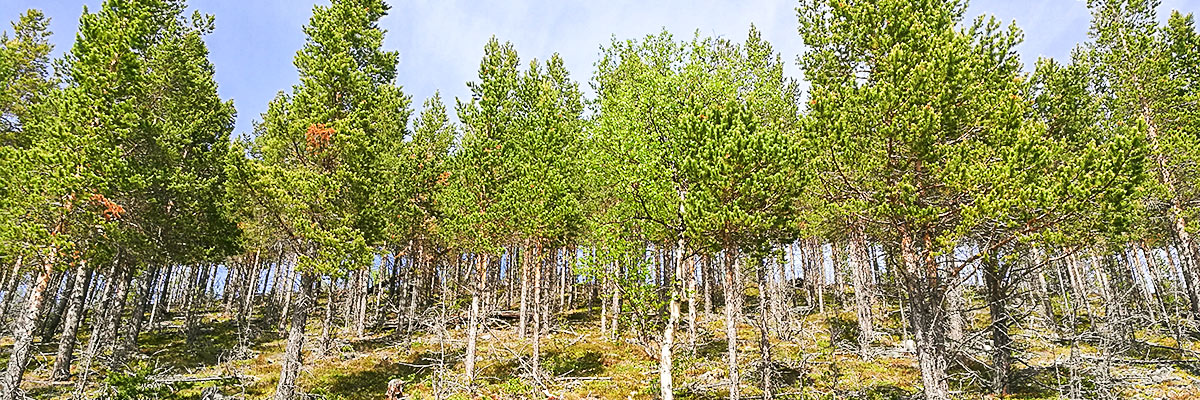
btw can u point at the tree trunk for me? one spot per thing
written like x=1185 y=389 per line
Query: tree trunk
x=66 y=342
x=538 y=299
x=326 y=322
x=360 y=318
x=191 y=297
x=288 y=283
x=113 y=325
x=926 y=314
x=413 y=292
x=48 y=301
x=293 y=357
x=860 y=274
x=246 y=309
x=766 y=368
x=473 y=317
x=54 y=316
x=10 y=289
x=134 y=327
x=162 y=299
x=994 y=278
x=691 y=293
x=23 y=331
x=1187 y=251
x=616 y=300
x=666 y=358
x=706 y=273
x=521 y=324
x=732 y=311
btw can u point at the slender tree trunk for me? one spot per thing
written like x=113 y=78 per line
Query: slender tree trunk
x=113 y=325
x=691 y=293
x=538 y=316
x=246 y=309
x=293 y=357
x=521 y=324
x=162 y=299
x=327 y=322
x=666 y=358
x=766 y=368
x=54 y=317
x=23 y=331
x=360 y=318
x=706 y=273
x=66 y=342
x=191 y=295
x=1187 y=250
x=413 y=300
x=603 y=284
x=859 y=272
x=1042 y=292
x=732 y=312
x=10 y=288
x=616 y=300
x=134 y=327
x=101 y=313
x=473 y=317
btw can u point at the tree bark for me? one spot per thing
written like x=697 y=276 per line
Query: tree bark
x=766 y=368
x=994 y=278
x=293 y=357
x=10 y=289
x=521 y=324
x=66 y=342
x=732 y=311
x=129 y=343
x=859 y=273
x=326 y=322
x=162 y=298
x=481 y=263
x=113 y=324
x=23 y=331
x=666 y=358
x=54 y=316
x=538 y=299
x=690 y=270
x=926 y=313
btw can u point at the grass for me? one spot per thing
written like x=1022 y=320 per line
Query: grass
x=820 y=362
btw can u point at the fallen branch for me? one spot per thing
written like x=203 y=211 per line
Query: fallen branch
x=584 y=378
x=1139 y=362
x=194 y=379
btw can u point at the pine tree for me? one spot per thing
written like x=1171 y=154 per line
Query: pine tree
x=925 y=124
x=324 y=148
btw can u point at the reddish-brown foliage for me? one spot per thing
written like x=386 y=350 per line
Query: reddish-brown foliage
x=318 y=137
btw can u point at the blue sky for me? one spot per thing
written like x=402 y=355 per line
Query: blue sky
x=441 y=41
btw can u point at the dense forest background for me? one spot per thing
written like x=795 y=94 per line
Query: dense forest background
x=929 y=217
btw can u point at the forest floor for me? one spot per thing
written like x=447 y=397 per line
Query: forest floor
x=581 y=363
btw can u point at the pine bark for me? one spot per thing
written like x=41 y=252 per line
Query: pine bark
x=293 y=357
x=538 y=316
x=480 y=278
x=23 y=332
x=732 y=314
x=766 y=368
x=993 y=276
x=926 y=314
x=54 y=316
x=860 y=274
x=66 y=342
